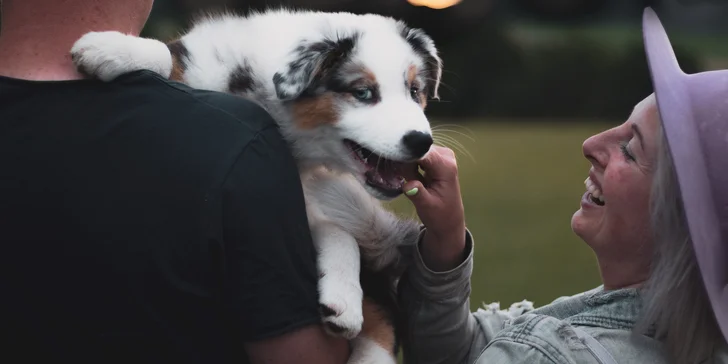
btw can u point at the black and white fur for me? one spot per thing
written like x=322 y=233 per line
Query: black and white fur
x=335 y=83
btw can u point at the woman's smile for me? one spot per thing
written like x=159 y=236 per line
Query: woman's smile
x=594 y=189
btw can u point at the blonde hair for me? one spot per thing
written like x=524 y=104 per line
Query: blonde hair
x=676 y=306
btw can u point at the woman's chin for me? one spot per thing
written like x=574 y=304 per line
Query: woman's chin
x=583 y=225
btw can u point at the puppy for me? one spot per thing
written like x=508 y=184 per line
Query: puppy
x=348 y=93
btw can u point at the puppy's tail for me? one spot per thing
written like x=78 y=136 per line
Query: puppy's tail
x=385 y=239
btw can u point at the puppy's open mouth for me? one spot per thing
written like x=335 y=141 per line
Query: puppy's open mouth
x=385 y=175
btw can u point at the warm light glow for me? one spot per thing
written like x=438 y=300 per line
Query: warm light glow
x=434 y=4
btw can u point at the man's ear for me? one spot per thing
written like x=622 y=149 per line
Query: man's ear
x=311 y=62
x=424 y=46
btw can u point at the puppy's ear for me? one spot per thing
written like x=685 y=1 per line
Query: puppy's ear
x=424 y=46
x=311 y=63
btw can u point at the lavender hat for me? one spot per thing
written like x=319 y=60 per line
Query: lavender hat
x=694 y=113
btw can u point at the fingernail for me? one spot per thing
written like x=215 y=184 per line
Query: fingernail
x=412 y=192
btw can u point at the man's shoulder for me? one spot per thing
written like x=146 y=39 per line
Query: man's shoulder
x=204 y=132
x=211 y=109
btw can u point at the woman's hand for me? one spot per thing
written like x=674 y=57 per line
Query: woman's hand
x=437 y=199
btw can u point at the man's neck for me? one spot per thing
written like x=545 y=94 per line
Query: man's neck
x=38 y=47
x=32 y=60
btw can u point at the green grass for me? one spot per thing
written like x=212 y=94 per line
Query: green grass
x=520 y=189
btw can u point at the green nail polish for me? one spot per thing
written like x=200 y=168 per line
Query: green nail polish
x=412 y=192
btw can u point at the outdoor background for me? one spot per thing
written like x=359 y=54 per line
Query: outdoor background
x=525 y=82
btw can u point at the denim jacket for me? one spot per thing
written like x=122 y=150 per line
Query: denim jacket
x=442 y=329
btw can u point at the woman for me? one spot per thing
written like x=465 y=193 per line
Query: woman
x=660 y=244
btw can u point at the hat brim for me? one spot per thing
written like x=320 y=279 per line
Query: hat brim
x=672 y=88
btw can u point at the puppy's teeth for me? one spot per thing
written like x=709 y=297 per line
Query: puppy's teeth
x=597 y=193
x=586 y=181
x=601 y=199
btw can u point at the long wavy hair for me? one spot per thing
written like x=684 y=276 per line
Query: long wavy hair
x=676 y=306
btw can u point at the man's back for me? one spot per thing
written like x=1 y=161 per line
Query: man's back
x=145 y=221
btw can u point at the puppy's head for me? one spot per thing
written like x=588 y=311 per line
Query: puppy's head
x=357 y=102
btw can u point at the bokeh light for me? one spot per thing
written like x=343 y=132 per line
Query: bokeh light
x=435 y=4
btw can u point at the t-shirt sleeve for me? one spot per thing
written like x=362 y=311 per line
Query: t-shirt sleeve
x=271 y=274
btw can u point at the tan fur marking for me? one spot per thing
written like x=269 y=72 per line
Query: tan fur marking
x=369 y=76
x=177 y=70
x=411 y=79
x=312 y=112
x=376 y=327
x=411 y=74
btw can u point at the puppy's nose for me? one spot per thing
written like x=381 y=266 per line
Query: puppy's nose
x=417 y=143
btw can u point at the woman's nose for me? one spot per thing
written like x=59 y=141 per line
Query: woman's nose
x=594 y=151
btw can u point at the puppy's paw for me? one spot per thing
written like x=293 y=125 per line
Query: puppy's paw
x=108 y=55
x=341 y=306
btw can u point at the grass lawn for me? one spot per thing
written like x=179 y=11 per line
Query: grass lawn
x=520 y=189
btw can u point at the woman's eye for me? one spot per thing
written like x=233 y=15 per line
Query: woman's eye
x=626 y=152
x=363 y=94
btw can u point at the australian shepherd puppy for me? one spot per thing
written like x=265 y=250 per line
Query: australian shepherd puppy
x=348 y=92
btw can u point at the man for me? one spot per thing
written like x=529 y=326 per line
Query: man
x=141 y=220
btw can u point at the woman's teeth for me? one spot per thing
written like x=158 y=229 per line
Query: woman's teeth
x=594 y=191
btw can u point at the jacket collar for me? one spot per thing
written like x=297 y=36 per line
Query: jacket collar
x=613 y=309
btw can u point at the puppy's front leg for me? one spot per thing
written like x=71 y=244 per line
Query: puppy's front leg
x=339 y=286
x=108 y=55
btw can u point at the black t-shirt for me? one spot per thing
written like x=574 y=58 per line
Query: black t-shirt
x=144 y=221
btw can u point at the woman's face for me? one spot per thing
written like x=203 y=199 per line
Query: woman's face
x=614 y=218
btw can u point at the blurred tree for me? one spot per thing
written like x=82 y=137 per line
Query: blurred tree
x=443 y=25
x=480 y=68
x=560 y=10
x=487 y=72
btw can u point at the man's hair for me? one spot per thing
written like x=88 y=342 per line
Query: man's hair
x=676 y=305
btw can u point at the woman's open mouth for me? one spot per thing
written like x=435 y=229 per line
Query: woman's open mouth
x=384 y=175
x=595 y=194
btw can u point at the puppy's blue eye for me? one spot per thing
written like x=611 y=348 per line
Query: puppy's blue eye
x=415 y=93
x=364 y=94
